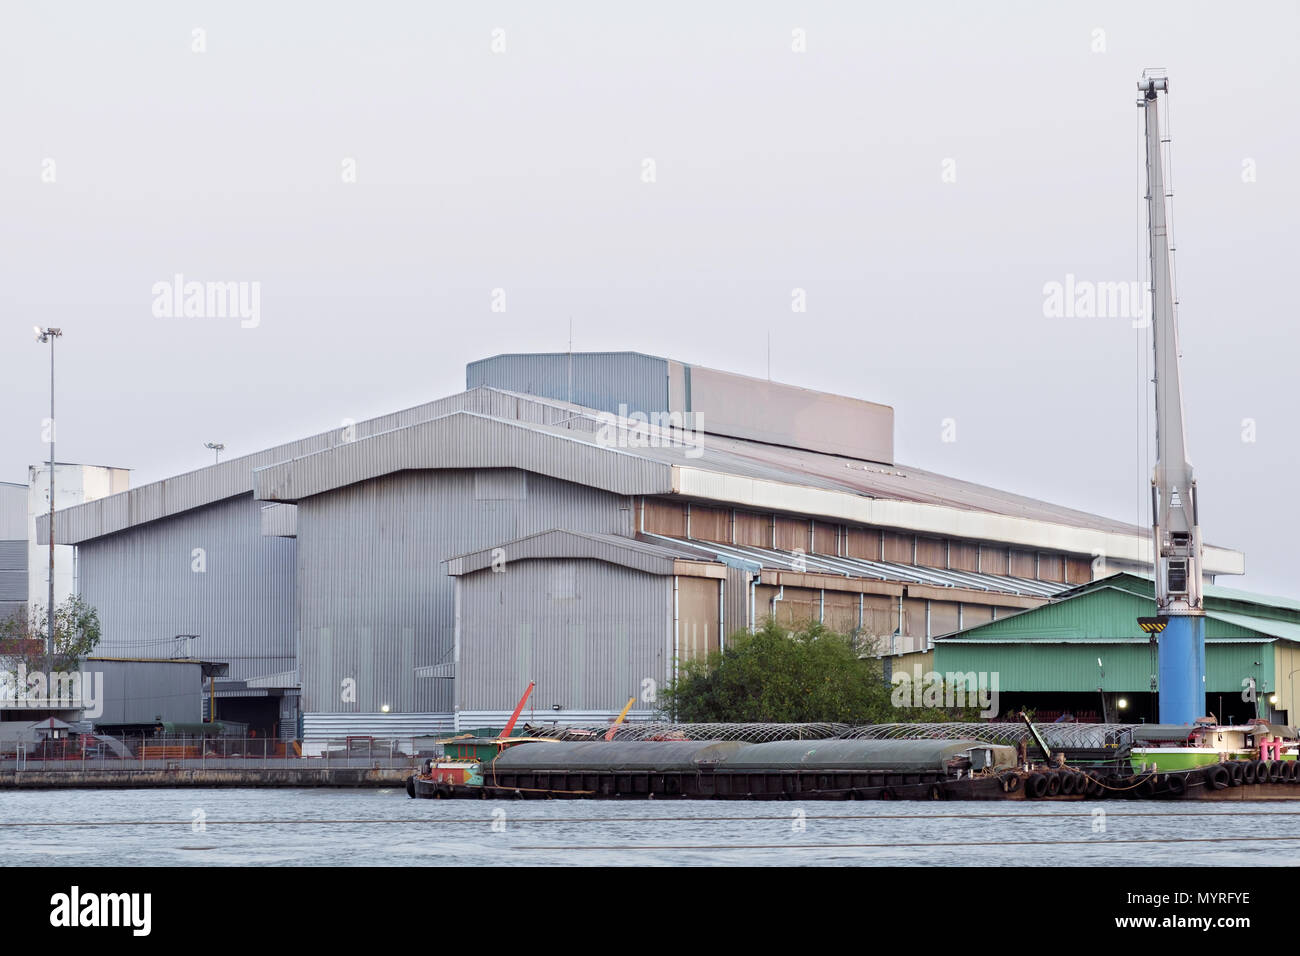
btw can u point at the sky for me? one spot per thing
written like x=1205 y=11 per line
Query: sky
x=408 y=187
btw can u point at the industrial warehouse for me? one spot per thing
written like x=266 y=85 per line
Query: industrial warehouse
x=586 y=521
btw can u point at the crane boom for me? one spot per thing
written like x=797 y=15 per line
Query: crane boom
x=1175 y=521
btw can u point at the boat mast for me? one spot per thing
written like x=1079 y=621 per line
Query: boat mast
x=1175 y=523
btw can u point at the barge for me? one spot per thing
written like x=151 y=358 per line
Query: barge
x=885 y=762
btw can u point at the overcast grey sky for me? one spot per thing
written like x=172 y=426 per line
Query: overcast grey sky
x=522 y=169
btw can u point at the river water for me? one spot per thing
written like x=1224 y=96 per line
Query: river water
x=310 y=827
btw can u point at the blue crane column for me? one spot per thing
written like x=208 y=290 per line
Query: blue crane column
x=1175 y=522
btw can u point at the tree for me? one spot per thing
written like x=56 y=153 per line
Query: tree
x=23 y=637
x=808 y=674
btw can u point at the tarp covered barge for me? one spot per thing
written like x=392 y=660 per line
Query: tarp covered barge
x=819 y=769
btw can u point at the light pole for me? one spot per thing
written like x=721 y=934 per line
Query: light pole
x=217 y=448
x=43 y=336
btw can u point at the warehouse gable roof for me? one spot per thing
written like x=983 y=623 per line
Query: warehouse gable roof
x=486 y=428
x=1108 y=614
x=583 y=545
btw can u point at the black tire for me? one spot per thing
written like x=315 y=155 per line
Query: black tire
x=1036 y=785
x=1053 y=784
x=1218 y=777
x=1235 y=775
x=1068 y=786
x=1176 y=785
x=1010 y=783
x=410 y=787
x=1261 y=771
x=1276 y=772
x=1249 y=772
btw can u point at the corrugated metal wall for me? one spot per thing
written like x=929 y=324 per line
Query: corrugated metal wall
x=374 y=598
x=735 y=601
x=145 y=585
x=13 y=577
x=587 y=652
x=600 y=380
x=138 y=692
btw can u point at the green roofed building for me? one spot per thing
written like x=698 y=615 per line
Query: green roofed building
x=1085 y=654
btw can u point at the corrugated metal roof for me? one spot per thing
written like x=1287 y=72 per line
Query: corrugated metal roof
x=861 y=568
x=1145 y=584
x=492 y=428
x=1286 y=630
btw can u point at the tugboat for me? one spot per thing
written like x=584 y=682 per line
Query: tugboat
x=463 y=756
x=1210 y=742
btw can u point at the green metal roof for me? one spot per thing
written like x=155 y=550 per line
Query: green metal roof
x=1107 y=614
x=1216 y=596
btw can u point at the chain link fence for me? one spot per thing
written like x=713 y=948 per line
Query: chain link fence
x=101 y=753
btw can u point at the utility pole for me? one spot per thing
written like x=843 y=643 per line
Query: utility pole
x=217 y=448
x=43 y=336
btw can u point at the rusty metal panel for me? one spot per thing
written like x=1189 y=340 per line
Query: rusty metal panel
x=753 y=530
x=898 y=548
x=943 y=617
x=791 y=533
x=1023 y=564
x=862 y=543
x=993 y=560
x=664 y=517
x=931 y=552
x=975 y=614
x=710 y=524
x=963 y=556
x=1078 y=570
x=697 y=617
x=841 y=613
x=914 y=623
x=879 y=615
x=797 y=606
x=1051 y=567
x=825 y=538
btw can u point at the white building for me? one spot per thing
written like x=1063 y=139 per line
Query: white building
x=73 y=485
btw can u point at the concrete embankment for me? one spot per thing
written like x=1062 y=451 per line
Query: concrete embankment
x=251 y=777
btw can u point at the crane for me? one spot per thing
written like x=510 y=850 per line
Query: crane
x=1175 y=523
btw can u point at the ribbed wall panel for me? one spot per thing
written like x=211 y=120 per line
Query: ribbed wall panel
x=143 y=584
x=600 y=380
x=321 y=726
x=374 y=597
x=590 y=652
x=13 y=512
x=139 y=692
x=735 y=602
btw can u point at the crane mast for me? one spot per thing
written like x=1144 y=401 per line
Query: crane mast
x=1175 y=523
